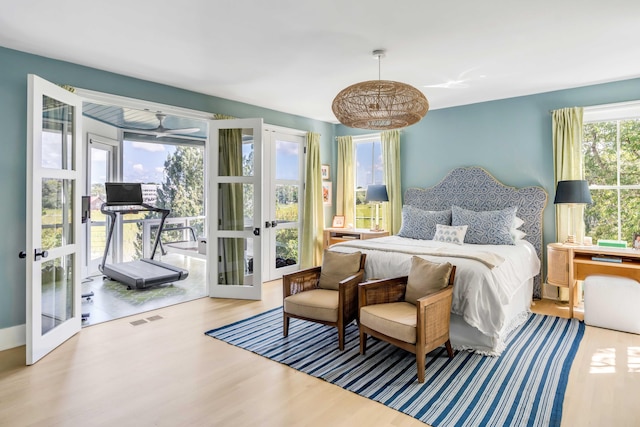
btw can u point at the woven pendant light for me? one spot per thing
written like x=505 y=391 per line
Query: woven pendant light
x=380 y=104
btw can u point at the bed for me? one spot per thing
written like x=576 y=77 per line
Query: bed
x=495 y=282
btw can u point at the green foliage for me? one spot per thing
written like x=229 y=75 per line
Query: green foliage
x=182 y=190
x=615 y=212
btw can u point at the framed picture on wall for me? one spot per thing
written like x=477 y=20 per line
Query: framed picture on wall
x=324 y=171
x=326 y=193
x=338 y=221
x=636 y=241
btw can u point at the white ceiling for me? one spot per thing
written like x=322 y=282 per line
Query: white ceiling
x=295 y=55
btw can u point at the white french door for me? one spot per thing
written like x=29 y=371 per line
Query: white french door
x=53 y=250
x=234 y=238
x=283 y=191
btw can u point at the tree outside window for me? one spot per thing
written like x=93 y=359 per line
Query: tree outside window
x=611 y=154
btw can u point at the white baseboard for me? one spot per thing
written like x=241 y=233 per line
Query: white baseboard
x=14 y=336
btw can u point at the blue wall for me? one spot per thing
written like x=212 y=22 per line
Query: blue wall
x=510 y=138
x=14 y=67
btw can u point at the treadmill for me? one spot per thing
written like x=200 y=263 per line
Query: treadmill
x=126 y=198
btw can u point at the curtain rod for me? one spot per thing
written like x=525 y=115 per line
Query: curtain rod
x=365 y=136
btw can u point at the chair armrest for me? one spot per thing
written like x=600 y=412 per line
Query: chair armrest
x=348 y=296
x=434 y=315
x=382 y=291
x=300 y=281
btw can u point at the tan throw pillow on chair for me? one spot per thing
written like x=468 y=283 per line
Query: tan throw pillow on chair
x=336 y=267
x=426 y=277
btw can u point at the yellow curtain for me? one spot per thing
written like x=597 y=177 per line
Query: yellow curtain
x=345 y=194
x=230 y=207
x=567 y=164
x=390 y=141
x=313 y=218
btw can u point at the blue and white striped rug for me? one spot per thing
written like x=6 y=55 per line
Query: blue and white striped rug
x=523 y=387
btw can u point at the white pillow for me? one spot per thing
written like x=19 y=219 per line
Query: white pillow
x=515 y=233
x=450 y=234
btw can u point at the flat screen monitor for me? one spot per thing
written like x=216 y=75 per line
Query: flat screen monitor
x=123 y=193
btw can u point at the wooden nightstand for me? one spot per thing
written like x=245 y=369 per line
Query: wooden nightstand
x=337 y=235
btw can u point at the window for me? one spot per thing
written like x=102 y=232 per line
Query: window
x=369 y=170
x=611 y=155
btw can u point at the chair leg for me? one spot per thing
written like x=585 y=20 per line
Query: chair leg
x=285 y=324
x=363 y=342
x=449 y=349
x=421 y=360
x=340 y=338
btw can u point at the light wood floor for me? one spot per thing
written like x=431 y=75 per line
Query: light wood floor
x=168 y=373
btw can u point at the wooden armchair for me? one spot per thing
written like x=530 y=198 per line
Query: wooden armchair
x=418 y=328
x=329 y=297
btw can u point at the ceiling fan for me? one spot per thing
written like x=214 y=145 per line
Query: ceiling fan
x=161 y=131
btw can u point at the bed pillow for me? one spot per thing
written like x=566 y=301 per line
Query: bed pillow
x=450 y=233
x=426 y=277
x=515 y=233
x=485 y=227
x=336 y=267
x=421 y=224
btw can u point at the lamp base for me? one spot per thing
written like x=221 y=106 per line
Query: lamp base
x=571 y=241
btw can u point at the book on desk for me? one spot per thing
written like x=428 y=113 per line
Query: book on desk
x=605 y=258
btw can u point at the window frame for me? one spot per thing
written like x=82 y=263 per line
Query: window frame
x=613 y=113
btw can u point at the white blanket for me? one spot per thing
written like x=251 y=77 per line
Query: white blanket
x=480 y=292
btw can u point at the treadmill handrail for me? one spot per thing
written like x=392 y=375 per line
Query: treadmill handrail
x=112 y=210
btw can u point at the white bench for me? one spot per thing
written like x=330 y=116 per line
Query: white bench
x=612 y=302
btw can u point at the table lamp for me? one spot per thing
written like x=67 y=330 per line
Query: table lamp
x=376 y=193
x=572 y=193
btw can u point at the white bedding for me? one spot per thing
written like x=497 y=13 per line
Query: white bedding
x=480 y=294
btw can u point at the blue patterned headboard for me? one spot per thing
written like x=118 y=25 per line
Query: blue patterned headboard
x=475 y=189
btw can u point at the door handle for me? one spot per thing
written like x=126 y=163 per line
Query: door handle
x=38 y=253
x=267 y=224
x=274 y=224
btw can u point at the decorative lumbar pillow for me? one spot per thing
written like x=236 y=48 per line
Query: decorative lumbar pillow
x=426 y=277
x=336 y=267
x=486 y=227
x=450 y=233
x=421 y=224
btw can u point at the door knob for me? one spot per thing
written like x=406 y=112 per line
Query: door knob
x=38 y=253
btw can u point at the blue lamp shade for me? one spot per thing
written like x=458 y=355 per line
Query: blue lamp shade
x=573 y=192
x=376 y=193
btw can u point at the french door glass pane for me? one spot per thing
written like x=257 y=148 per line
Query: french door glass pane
x=286 y=247
x=287 y=160
x=287 y=203
x=235 y=205
x=235 y=261
x=57 y=213
x=57 y=134
x=235 y=152
x=57 y=292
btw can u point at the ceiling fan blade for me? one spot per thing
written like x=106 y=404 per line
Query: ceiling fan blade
x=169 y=132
